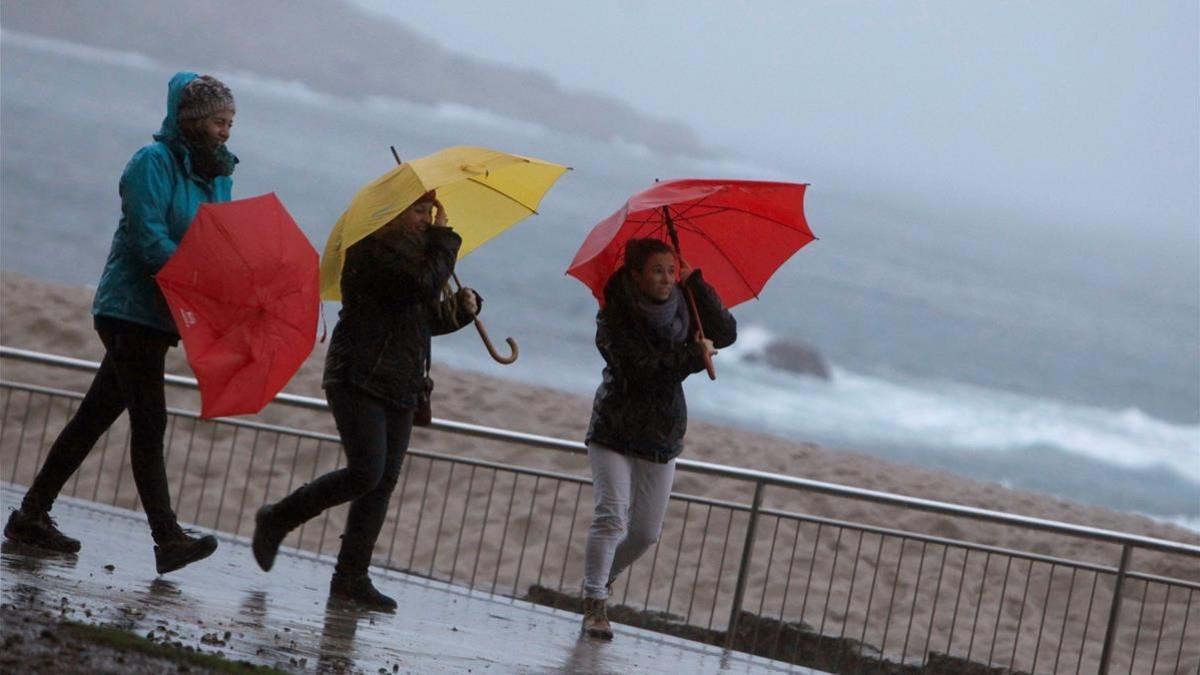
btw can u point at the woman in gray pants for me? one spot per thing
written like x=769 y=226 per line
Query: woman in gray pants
x=649 y=345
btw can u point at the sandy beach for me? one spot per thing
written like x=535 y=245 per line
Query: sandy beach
x=55 y=319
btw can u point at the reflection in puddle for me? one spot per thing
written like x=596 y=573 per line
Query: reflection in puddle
x=337 y=636
x=31 y=559
x=254 y=609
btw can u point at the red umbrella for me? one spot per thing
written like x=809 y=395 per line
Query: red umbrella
x=242 y=287
x=738 y=231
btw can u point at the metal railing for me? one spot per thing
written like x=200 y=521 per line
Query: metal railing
x=757 y=574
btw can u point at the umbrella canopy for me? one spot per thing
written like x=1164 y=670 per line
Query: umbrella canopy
x=484 y=192
x=739 y=232
x=242 y=287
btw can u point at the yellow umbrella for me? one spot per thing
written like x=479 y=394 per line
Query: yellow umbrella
x=484 y=192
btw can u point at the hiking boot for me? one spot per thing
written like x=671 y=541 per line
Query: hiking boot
x=267 y=538
x=182 y=551
x=357 y=588
x=595 y=619
x=36 y=528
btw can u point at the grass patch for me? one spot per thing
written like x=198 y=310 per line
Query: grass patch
x=129 y=642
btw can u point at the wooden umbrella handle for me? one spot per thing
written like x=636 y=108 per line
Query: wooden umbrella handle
x=487 y=341
x=708 y=363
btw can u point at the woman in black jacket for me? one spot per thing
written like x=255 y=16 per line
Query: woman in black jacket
x=649 y=345
x=394 y=299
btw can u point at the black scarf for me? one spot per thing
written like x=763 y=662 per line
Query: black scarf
x=209 y=161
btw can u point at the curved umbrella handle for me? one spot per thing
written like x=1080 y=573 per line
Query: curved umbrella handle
x=708 y=366
x=487 y=341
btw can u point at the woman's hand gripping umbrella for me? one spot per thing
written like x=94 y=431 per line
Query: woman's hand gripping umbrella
x=486 y=191
x=738 y=232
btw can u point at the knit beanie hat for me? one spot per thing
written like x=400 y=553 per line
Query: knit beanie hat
x=204 y=96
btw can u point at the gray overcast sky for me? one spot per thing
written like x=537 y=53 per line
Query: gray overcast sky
x=1085 y=111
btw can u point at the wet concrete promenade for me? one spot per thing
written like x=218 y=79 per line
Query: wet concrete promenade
x=226 y=604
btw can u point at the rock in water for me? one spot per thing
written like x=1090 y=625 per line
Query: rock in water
x=794 y=357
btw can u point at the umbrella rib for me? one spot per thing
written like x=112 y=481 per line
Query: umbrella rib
x=686 y=225
x=655 y=213
x=286 y=320
x=507 y=196
x=689 y=207
x=644 y=221
x=716 y=248
x=732 y=266
x=233 y=245
x=698 y=202
x=757 y=215
x=245 y=305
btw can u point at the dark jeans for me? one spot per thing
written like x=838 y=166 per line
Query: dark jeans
x=374 y=437
x=130 y=378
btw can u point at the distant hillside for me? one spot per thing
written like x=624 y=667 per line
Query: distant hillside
x=337 y=48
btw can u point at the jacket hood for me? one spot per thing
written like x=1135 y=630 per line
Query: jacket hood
x=170 y=126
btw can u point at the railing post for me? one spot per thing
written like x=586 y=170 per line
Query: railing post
x=744 y=566
x=1115 y=610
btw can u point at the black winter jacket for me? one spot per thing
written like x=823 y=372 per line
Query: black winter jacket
x=639 y=409
x=391 y=306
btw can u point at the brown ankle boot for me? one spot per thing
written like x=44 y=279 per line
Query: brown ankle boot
x=595 y=619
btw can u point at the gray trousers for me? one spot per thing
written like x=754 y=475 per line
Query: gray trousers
x=631 y=501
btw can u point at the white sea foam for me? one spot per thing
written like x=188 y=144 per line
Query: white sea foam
x=479 y=117
x=288 y=90
x=1186 y=522
x=112 y=57
x=751 y=339
x=857 y=410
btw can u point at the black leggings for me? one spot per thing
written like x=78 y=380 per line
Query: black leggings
x=375 y=437
x=130 y=378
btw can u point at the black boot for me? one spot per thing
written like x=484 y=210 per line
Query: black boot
x=182 y=550
x=35 y=527
x=267 y=537
x=357 y=588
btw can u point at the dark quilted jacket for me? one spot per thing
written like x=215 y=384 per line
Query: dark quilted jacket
x=639 y=408
x=391 y=306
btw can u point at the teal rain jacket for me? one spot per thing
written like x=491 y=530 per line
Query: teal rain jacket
x=159 y=197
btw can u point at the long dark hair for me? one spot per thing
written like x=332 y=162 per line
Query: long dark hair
x=638 y=251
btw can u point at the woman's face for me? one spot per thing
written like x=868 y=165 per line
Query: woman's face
x=416 y=218
x=656 y=279
x=215 y=129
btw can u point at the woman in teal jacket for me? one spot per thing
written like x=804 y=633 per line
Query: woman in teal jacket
x=161 y=189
